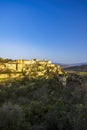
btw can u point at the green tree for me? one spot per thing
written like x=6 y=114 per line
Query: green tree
x=11 y=117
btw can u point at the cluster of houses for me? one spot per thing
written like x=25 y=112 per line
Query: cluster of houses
x=29 y=67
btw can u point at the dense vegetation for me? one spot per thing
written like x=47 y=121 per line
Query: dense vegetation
x=43 y=104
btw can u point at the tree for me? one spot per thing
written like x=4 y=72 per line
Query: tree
x=11 y=117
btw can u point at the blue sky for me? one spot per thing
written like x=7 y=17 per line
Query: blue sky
x=44 y=29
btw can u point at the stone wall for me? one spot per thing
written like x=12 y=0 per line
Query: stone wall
x=6 y=76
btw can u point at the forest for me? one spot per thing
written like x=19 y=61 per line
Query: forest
x=44 y=104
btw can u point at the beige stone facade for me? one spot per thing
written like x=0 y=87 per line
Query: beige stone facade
x=28 y=67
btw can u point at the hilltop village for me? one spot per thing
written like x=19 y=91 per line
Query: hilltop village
x=31 y=68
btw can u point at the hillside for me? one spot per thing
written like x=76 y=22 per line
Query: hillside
x=53 y=101
x=43 y=104
x=77 y=68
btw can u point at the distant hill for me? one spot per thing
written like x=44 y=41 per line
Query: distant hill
x=82 y=67
x=62 y=65
x=71 y=65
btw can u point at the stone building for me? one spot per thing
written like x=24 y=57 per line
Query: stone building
x=31 y=66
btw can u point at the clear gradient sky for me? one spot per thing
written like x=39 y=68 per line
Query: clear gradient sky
x=51 y=29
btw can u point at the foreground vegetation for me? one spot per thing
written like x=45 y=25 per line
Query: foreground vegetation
x=43 y=104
